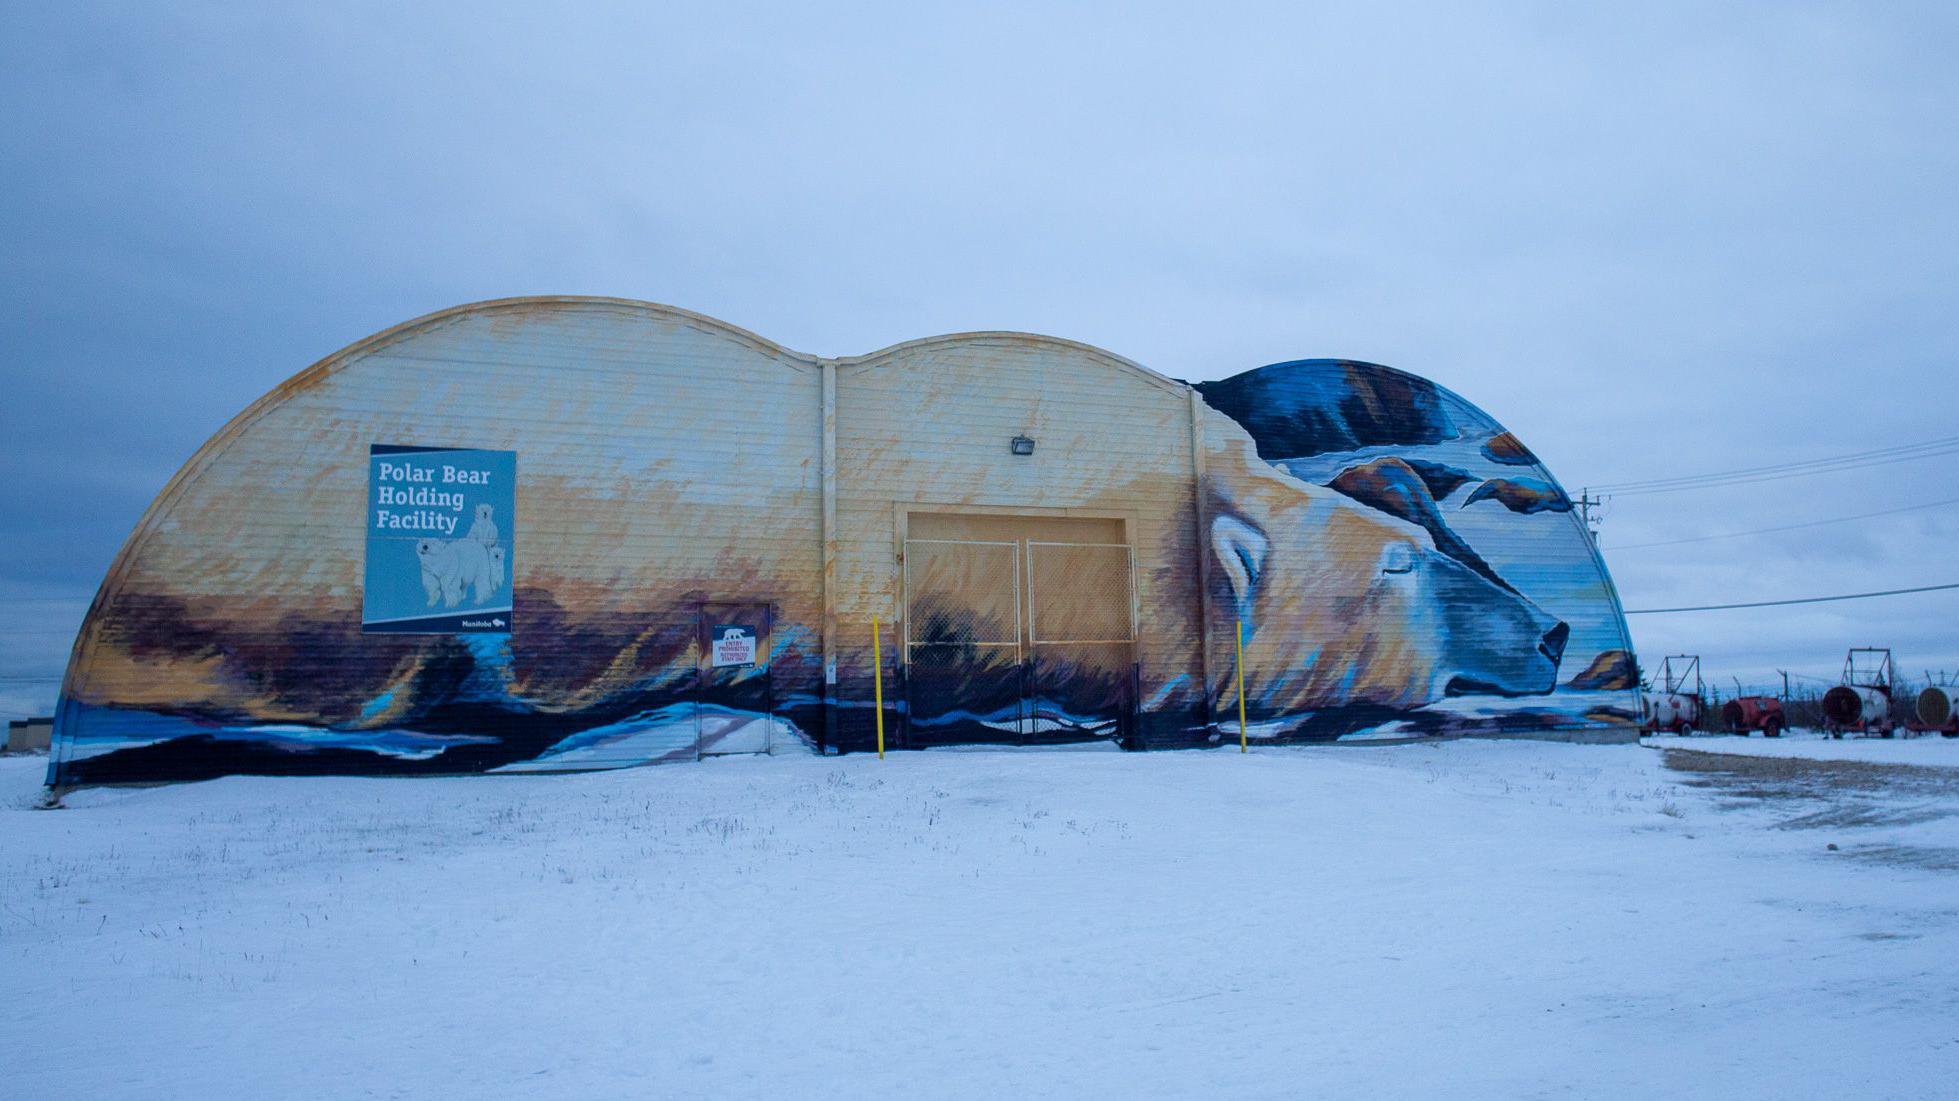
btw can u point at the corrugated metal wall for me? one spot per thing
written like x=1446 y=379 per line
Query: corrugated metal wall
x=927 y=425
x=665 y=459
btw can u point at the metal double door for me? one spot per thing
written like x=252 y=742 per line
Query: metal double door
x=734 y=703
x=1018 y=642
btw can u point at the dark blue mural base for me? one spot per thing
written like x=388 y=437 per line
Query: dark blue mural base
x=150 y=747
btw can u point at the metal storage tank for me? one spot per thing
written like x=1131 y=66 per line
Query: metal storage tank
x=563 y=533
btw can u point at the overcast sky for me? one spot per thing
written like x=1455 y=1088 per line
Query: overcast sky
x=1659 y=241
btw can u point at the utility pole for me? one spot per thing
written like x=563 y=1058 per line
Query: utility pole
x=1586 y=502
x=1785 y=686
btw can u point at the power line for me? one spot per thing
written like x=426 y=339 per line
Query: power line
x=1782 y=477
x=1799 y=600
x=1850 y=461
x=1722 y=483
x=1890 y=454
x=1788 y=527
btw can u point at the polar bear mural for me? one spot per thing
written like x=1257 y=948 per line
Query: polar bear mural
x=1405 y=599
x=1351 y=610
x=1365 y=526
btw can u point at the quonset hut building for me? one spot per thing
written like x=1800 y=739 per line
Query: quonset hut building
x=568 y=533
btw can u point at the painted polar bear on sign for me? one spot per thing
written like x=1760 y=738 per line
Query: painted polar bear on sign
x=449 y=567
x=484 y=529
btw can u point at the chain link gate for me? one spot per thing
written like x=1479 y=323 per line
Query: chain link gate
x=963 y=670
x=991 y=657
x=1081 y=629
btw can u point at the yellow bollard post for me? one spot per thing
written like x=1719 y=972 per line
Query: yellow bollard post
x=877 y=680
x=1241 y=687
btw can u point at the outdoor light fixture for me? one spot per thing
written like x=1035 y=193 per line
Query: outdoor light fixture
x=1023 y=445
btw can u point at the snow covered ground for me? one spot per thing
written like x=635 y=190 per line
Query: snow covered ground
x=1473 y=919
x=1926 y=750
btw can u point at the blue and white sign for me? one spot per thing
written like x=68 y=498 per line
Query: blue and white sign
x=733 y=646
x=441 y=540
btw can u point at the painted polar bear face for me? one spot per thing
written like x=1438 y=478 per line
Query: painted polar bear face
x=426 y=549
x=1344 y=604
x=483 y=513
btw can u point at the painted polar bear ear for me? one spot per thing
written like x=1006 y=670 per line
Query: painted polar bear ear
x=1241 y=550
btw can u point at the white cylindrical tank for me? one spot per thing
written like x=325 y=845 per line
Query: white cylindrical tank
x=1935 y=705
x=1848 y=705
x=1672 y=710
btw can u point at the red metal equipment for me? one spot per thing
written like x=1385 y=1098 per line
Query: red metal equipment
x=1745 y=713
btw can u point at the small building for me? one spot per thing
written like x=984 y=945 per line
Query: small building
x=566 y=533
x=29 y=735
